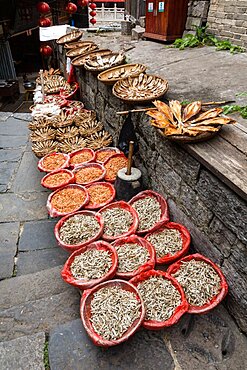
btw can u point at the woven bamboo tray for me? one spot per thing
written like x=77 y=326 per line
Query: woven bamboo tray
x=77 y=44
x=43 y=148
x=91 y=127
x=99 y=140
x=79 y=61
x=106 y=62
x=134 y=89
x=186 y=139
x=69 y=37
x=73 y=53
x=112 y=75
x=72 y=144
x=43 y=134
x=66 y=133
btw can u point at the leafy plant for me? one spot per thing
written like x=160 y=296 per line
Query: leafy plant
x=202 y=38
x=227 y=109
x=46 y=355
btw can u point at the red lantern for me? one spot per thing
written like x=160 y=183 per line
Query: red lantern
x=93 y=13
x=93 y=6
x=43 y=7
x=46 y=50
x=83 y=2
x=93 y=21
x=71 y=8
x=44 y=22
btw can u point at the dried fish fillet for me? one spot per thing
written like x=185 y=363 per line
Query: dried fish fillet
x=214 y=121
x=209 y=114
x=191 y=110
x=176 y=108
x=164 y=108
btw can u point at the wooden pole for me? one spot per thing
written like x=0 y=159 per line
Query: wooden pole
x=131 y=151
x=42 y=85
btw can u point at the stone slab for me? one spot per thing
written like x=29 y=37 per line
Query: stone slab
x=31 y=287
x=71 y=349
x=24 y=207
x=41 y=315
x=14 y=127
x=12 y=141
x=28 y=176
x=23 y=353
x=10 y=155
x=34 y=261
x=37 y=235
x=8 y=245
x=7 y=170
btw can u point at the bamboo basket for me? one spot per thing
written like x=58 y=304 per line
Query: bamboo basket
x=72 y=144
x=83 y=117
x=43 y=134
x=186 y=139
x=66 y=133
x=40 y=149
x=91 y=127
x=106 y=62
x=73 y=53
x=69 y=37
x=77 y=44
x=128 y=70
x=79 y=61
x=99 y=140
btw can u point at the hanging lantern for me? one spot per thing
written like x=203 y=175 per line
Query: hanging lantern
x=43 y=7
x=93 y=21
x=83 y=2
x=46 y=50
x=44 y=22
x=93 y=13
x=71 y=8
x=92 y=6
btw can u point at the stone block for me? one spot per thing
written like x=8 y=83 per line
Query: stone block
x=169 y=179
x=142 y=21
x=143 y=127
x=93 y=82
x=13 y=127
x=9 y=233
x=37 y=235
x=15 y=142
x=199 y=9
x=23 y=353
x=221 y=237
x=149 y=156
x=137 y=33
x=100 y=106
x=7 y=170
x=70 y=348
x=193 y=21
x=10 y=155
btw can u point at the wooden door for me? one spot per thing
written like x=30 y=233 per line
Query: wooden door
x=151 y=16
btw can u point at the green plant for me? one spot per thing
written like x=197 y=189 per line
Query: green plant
x=46 y=355
x=227 y=109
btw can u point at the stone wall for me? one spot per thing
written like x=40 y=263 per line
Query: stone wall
x=197 y=13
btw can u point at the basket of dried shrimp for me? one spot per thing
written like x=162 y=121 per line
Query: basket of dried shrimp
x=81 y=156
x=140 y=89
x=164 y=299
x=202 y=281
x=135 y=255
x=113 y=302
x=86 y=174
x=90 y=265
x=152 y=210
x=171 y=242
x=53 y=161
x=79 y=61
x=101 y=155
x=101 y=194
x=70 y=37
x=78 y=229
x=112 y=75
x=57 y=179
x=98 y=63
x=42 y=148
x=187 y=124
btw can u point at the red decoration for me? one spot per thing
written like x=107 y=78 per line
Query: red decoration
x=46 y=50
x=71 y=8
x=43 y=7
x=93 y=13
x=93 y=21
x=44 y=22
x=92 y=6
x=83 y=2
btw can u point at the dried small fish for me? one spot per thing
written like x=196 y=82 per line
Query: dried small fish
x=117 y=221
x=165 y=242
x=191 y=110
x=149 y=212
x=211 y=113
x=131 y=256
x=160 y=297
x=79 y=229
x=165 y=109
x=176 y=108
x=92 y=264
x=199 y=281
x=113 y=311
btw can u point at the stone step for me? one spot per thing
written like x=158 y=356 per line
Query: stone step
x=24 y=353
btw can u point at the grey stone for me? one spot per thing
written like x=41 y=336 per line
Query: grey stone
x=13 y=127
x=41 y=315
x=10 y=155
x=221 y=237
x=71 y=349
x=7 y=170
x=100 y=106
x=32 y=287
x=13 y=141
x=145 y=152
x=34 y=261
x=23 y=353
x=37 y=235
x=137 y=33
x=8 y=246
x=193 y=21
x=210 y=341
x=31 y=180
x=169 y=179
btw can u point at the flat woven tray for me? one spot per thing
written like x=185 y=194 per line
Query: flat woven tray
x=69 y=37
x=79 y=61
x=98 y=64
x=77 y=44
x=112 y=75
x=190 y=139
x=140 y=89
x=73 y=53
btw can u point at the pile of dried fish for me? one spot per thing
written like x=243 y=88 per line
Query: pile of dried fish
x=199 y=281
x=48 y=73
x=113 y=311
x=43 y=134
x=102 y=62
x=79 y=229
x=76 y=52
x=79 y=61
x=90 y=127
x=173 y=119
x=165 y=242
x=66 y=133
x=160 y=298
x=149 y=212
x=141 y=88
x=126 y=70
x=41 y=148
x=131 y=257
x=72 y=144
x=99 y=139
x=92 y=264
x=75 y=35
x=117 y=221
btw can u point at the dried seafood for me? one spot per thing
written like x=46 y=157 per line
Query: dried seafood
x=92 y=264
x=56 y=179
x=113 y=165
x=81 y=157
x=149 y=212
x=88 y=174
x=68 y=199
x=84 y=116
x=99 y=194
x=48 y=73
x=79 y=229
x=63 y=120
x=75 y=52
x=43 y=134
x=126 y=70
x=117 y=221
x=199 y=280
x=99 y=140
x=190 y=120
x=72 y=144
x=103 y=154
x=141 y=88
x=53 y=162
x=91 y=127
x=165 y=242
x=77 y=44
x=79 y=61
x=101 y=62
x=42 y=148
x=131 y=256
x=66 y=133
x=56 y=99
x=160 y=297
x=41 y=122
x=117 y=309
x=69 y=37
x=75 y=104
